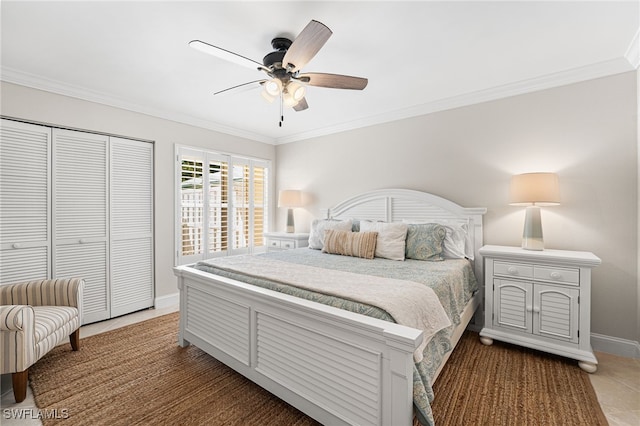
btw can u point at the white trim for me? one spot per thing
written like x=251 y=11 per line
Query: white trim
x=14 y=76
x=574 y=75
x=167 y=301
x=615 y=346
x=562 y=78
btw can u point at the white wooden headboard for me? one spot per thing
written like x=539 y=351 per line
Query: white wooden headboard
x=395 y=205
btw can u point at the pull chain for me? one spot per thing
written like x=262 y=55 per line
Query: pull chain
x=281 y=111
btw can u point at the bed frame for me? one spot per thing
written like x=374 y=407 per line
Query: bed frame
x=336 y=366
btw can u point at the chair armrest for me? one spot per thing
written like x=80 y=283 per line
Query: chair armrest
x=61 y=292
x=17 y=338
x=16 y=317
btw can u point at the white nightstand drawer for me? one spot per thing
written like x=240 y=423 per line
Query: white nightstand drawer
x=513 y=269
x=559 y=275
x=275 y=243
x=286 y=245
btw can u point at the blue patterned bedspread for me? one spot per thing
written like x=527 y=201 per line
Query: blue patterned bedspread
x=452 y=280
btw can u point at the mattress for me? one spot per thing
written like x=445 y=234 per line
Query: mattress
x=452 y=280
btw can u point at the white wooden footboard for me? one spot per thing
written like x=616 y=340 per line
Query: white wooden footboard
x=336 y=366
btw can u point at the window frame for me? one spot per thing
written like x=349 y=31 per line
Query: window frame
x=247 y=183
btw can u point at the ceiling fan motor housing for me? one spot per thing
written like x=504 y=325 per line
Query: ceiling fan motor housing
x=280 y=44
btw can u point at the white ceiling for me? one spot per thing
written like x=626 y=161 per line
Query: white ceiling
x=419 y=57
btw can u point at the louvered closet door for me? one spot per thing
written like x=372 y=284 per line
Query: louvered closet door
x=24 y=202
x=80 y=216
x=132 y=283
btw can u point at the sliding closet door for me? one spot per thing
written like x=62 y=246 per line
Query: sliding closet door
x=132 y=284
x=25 y=197
x=80 y=216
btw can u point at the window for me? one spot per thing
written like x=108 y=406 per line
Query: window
x=223 y=204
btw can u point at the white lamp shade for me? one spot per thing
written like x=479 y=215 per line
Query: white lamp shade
x=290 y=198
x=296 y=90
x=273 y=87
x=540 y=189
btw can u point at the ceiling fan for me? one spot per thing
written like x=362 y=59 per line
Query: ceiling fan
x=283 y=67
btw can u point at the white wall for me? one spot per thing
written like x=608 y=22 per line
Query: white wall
x=39 y=106
x=585 y=132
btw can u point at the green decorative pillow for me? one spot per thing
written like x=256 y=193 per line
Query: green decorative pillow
x=424 y=241
x=347 y=243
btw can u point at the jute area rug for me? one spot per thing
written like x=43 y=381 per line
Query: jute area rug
x=137 y=375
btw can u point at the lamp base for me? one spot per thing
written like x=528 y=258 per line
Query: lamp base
x=290 y=225
x=532 y=233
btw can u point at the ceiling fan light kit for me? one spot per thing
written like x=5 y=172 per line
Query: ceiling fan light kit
x=283 y=65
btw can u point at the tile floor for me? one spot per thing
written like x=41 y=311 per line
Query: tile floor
x=617 y=381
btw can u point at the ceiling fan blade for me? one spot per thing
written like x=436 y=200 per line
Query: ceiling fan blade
x=227 y=55
x=306 y=45
x=334 y=81
x=301 y=105
x=240 y=85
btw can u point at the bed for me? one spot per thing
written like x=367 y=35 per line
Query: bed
x=339 y=362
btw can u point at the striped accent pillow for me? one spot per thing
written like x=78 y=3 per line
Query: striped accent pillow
x=347 y=243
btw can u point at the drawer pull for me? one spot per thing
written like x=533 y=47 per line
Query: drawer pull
x=529 y=308
x=555 y=275
x=536 y=309
x=16 y=245
x=512 y=270
x=82 y=241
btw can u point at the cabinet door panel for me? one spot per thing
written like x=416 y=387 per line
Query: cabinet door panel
x=512 y=304
x=556 y=312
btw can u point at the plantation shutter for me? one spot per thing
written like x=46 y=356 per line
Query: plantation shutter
x=260 y=199
x=217 y=219
x=131 y=255
x=241 y=224
x=25 y=227
x=80 y=216
x=226 y=216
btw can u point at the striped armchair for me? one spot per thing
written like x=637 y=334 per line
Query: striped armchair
x=35 y=316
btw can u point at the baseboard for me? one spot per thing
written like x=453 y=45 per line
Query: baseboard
x=615 y=345
x=167 y=301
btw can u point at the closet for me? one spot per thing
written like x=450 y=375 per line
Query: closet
x=80 y=204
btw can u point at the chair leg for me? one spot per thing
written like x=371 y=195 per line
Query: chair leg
x=75 y=340
x=20 y=381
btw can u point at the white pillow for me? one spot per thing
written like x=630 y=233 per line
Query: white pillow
x=457 y=242
x=318 y=226
x=391 y=238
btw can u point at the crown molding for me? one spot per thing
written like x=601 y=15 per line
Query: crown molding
x=10 y=75
x=575 y=75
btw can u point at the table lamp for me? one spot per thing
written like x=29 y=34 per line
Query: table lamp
x=290 y=198
x=534 y=190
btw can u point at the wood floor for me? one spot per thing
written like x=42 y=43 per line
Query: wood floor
x=617 y=381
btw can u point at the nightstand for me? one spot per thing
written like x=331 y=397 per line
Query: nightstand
x=541 y=300
x=285 y=240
